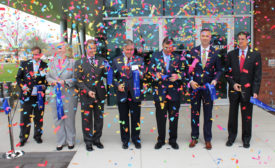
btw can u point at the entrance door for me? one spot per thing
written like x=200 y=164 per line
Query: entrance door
x=223 y=40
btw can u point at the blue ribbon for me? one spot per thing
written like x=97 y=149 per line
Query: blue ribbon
x=40 y=100
x=6 y=106
x=261 y=104
x=110 y=73
x=136 y=83
x=59 y=103
x=211 y=89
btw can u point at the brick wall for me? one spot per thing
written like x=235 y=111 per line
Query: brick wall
x=264 y=41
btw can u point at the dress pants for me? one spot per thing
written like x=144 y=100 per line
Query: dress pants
x=196 y=98
x=172 y=108
x=92 y=121
x=30 y=112
x=134 y=108
x=235 y=99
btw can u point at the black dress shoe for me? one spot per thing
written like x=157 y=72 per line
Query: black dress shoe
x=22 y=143
x=246 y=145
x=137 y=145
x=174 y=145
x=59 y=148
x=98 y=145
x=159 y=145
x=38 y=140
x=125 y=145
x=229 y=143
x=70 y=147
x=89 y=148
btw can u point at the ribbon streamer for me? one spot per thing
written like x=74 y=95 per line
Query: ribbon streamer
x=40 y=100
x=6 y=106
x=136 y=83
x=59 y=103
x=211 y=89
x=261 y=104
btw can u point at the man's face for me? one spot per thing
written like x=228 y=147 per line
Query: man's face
x=129 y=50
x=91 y=50
x=61 y=50
x=205 y=38
x=36 y=54
x=243 y=41
x=168 y=48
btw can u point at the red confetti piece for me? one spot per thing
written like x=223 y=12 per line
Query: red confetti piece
x=247 y=85
x=273 y=27
x=244 y=107
x=42 y=164
x=245 y=71
x=56 y=129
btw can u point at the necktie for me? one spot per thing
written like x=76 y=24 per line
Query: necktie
x=242 y=61
x=167 y=62
x=92 y=64
x=203 y=58
x=128 y=67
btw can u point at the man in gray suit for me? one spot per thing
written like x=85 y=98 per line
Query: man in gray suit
x=90 y=71
x=123 y=67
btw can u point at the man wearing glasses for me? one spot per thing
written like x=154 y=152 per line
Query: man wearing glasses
x=204 y=67
x=127 y=100
x=167 y=71
x=30 y=77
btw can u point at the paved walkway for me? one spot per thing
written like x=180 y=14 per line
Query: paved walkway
x=260 y=154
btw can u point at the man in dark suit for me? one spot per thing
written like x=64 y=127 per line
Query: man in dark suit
x=90 y=71
x=31 y=73
x=244 y=73
x=127 y=101
x=204 y=67
x=167 y=71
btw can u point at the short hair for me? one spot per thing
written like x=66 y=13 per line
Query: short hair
x=91 y=41
x=168 y=40
x=128 y=42
x=69 y=50
x=36 y=48
x=246 y=34
x=205 y=29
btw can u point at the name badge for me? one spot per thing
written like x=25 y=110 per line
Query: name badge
x=34 y=91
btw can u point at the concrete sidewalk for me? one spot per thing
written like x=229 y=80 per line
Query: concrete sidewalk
x=260 y=154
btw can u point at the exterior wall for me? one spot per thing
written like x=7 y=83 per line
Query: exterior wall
x=264 y=40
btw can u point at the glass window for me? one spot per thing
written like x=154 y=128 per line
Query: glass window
x=242 y=24
x=145 y=7
x=242 y=7
x=208 y=7
x=181 y=30
x=115 y=33
x=115 y=8
x=181 y=7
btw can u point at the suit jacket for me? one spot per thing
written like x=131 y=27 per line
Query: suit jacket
x=66 y=73
x=163 y=88
x=212 y=69
x=250 y=78
x=26 y=77
x=91 y=81
x=120 y=77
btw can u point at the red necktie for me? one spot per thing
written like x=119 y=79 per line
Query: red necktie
x=242 y=61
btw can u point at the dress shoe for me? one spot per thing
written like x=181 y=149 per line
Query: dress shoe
x=125 y=145
x=208 y=145
x=98 y=145
x=70 y=147
x=193 y=143
x=89 y=148
x=174 y=145
x=246 y=145
x=159 y=145
x=137 y=145
x=22 y=143
x=38 y=140
x=229 y=143
x=59 y=148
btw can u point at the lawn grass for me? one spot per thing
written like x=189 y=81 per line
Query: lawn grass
x=8 y=72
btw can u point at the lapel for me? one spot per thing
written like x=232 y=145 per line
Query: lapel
x=171 y=62
x=162 y=62
x=30 y=68
x=87 y=66
x=210 y=55
x=237 y=60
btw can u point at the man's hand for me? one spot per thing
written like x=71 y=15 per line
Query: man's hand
x=173 y=77
x=25 y=88
x=61 y=82
x=194 y=85
x=255 y=95
x=91 y=94
x=237 y=87
x=214 y=82
x=121 y=88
